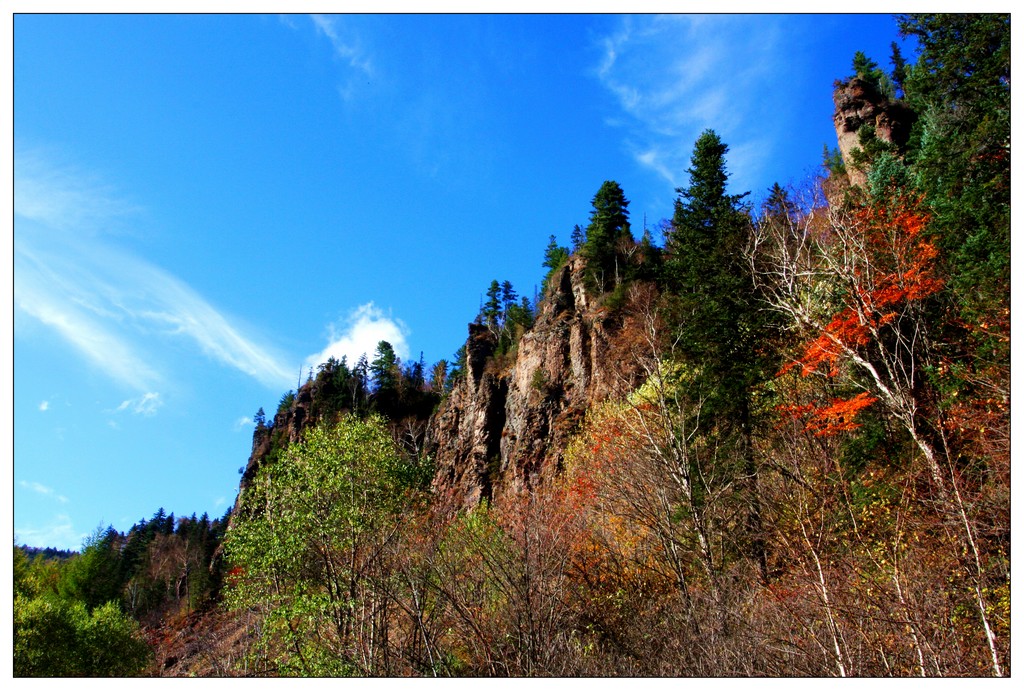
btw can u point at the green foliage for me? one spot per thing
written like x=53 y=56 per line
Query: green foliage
x=93 y=577
x=310 y=531
x=871 y=147
x=555 y=257
x=458 y=370
x=384 y=369
x=539 y=380
x=832 y=161
x=54 y=637
x=960 y=85
x=491 y=311
x=899 y=69
x=719 y=325
x=889 y=175
x=607 y=231
x=578 y=237
x=868 y=70
x=286 y=402
x=504 y=318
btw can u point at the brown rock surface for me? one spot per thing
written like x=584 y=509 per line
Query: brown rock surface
x=505 y=426
x=858 y=103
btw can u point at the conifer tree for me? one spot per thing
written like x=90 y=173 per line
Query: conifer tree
x=492 y=307
x=578 y=237
x=719 y=324
x=508 y=299
x=555 y=257
x=960 y=88
x=385 y=368
x=609 y=225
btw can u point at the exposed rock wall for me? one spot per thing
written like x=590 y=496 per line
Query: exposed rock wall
x=505 y=426
x=859 y=103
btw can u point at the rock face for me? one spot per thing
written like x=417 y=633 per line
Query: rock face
x=505 y=425
x=859 y=103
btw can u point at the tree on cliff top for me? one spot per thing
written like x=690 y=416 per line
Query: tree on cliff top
x=609 y=225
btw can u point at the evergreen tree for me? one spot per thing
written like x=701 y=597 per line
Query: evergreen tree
x=960 y=87
x=719 y=325
x=491 y=311
x=868 y=70
x=609 y=225
x=384 y=369
x=577 y=238
x=899 y=68
x=555 y=257
x=508 y=299
x=778 y=204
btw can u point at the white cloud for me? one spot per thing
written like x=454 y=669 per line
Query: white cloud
x=707 y=68
x=347 y=48
x=115 y=309
x=243 y=422
x=146 y=404
x=364 y=329
x=64 y=198
x=44 y=490
x=44 y=406
x=59 y=533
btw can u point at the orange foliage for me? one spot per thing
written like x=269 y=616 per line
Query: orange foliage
x=838 y=416
x=898 y=269
x=895 y=270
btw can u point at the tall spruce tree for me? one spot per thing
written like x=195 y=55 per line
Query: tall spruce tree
x=960 y=149
x=718 y=321
x=609 y=225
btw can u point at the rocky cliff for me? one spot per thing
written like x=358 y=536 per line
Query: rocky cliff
x=505 y=425
x=859 y=103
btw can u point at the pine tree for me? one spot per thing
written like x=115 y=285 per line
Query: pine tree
x=609 y=225
x=868 y=70
x=491 y=311
x=508 y=299
x=960 y=87
x=719 y=324
x=577 y=238
x=555 y=257
x=384 y=368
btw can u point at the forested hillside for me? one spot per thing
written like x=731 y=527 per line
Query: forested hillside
x=773 y=441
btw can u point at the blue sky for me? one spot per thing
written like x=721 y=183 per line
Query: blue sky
x=204 y=206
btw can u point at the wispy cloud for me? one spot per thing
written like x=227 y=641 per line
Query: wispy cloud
x=365 y=327
x=146 y=404
x=44 y=490
x=114 y=308
x=242 y=423
x=348 y=47
x=65 y=198
x=44 y=406
x=59 y=533
x=675 y=76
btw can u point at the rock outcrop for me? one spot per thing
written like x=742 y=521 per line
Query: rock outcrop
x=859 y=103
x=506 y=424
